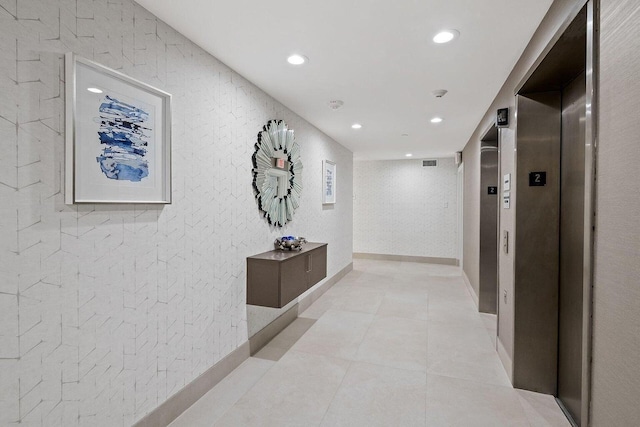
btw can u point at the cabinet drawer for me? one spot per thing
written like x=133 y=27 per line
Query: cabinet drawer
x=293 y=279
x=263 y=283
x=317 y=265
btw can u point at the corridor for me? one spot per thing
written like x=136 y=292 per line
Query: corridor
x=391 y=344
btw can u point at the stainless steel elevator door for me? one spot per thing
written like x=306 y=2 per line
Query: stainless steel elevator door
x=571 y=246
x=488 y=297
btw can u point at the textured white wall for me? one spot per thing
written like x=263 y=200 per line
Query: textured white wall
x=616 y=305
x=107 y=310
x=399 y=208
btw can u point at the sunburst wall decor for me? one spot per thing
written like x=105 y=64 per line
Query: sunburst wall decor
x=277 y=172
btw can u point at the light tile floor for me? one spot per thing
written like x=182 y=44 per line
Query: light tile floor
x=391 y=344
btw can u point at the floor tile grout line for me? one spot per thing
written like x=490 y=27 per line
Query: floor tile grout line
x=239 y=398
x=473 y=381
x=248 y=390
x=335 y=393
x=523 y=409
x=426 y=365
x=375 y=315
x=343 y=377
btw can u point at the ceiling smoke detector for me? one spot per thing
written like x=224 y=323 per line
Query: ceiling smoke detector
x=336 y=104
x=439 y=93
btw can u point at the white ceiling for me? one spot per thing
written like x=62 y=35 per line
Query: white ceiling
x=375 y=55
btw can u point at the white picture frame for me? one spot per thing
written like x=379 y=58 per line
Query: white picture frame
x=118 y=137
x=329 y=187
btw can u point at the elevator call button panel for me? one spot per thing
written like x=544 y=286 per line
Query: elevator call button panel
x=506 y=182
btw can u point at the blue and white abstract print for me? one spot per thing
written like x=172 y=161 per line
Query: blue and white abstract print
x=125 y=139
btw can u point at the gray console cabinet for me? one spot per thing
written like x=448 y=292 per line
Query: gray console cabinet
x=276 y=278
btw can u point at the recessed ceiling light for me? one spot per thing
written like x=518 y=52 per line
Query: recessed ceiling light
x=436 y=120
x=446 y=36
x=297 y=59
x=408 y=155
x=356 y=126
x=94 y=90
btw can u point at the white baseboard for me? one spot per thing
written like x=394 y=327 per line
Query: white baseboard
x=407 y=258
x=174 y=406
x=472 y=291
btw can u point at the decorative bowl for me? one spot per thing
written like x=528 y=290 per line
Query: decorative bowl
x=289 y=243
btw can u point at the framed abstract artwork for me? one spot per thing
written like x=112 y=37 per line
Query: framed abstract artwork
x=328 y=182
x=118 y=137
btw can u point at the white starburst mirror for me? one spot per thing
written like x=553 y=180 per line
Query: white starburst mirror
x=277 y=173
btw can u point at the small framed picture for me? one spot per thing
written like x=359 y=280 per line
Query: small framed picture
x=118 y=137
x=328 y=182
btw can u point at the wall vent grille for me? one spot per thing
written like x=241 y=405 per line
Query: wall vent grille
x=426 y=163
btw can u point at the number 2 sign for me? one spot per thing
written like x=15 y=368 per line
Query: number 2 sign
x=537 y=179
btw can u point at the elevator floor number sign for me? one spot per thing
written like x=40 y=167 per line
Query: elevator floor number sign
x=537 y=179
